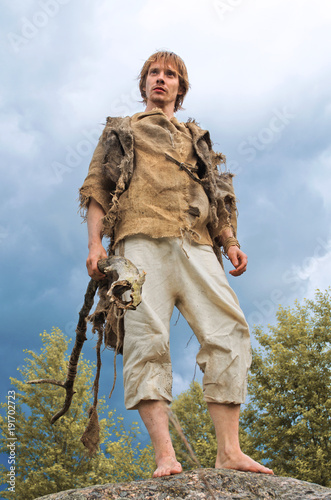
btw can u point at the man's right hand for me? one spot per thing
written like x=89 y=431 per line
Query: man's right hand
x=96 y=252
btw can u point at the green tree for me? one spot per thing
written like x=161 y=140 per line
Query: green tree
x=51 y=458
x=288 y=419
x=287 y=422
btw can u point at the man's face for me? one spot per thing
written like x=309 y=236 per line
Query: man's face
x=162 y=85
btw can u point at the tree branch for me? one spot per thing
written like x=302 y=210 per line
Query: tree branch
x=128 y=277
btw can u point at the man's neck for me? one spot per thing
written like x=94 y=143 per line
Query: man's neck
x=167 y=110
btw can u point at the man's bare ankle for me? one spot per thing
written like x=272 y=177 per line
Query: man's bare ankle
x=229 y=452
x=160 y=457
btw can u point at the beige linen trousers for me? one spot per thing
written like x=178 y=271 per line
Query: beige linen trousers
x=187 y=275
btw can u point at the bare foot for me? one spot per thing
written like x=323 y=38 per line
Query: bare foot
x=242 y=462
x=167 y=466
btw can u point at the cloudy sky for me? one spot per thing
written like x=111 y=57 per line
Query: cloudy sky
x=260 y=82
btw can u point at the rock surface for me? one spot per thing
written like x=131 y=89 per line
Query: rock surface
x=202 y=484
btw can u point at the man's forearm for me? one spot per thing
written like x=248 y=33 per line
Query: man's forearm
x=94 y=223
x=95 y=233
x=226 y=233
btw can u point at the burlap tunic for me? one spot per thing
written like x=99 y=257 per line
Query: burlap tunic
x=165 y=199
x=162 y=200
x=158 y=183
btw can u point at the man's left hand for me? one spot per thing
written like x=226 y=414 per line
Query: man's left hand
x=238 y=259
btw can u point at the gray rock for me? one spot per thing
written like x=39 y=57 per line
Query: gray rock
x=220 y=484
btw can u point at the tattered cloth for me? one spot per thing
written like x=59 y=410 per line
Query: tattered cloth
x=130 y=166
x=157 y=155
x=165 y=198
x=126 y=144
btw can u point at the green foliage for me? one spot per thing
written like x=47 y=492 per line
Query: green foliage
x=51 y=458
x=288 y=419
x=287 y=423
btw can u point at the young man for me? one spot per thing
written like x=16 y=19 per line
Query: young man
x=154 y=188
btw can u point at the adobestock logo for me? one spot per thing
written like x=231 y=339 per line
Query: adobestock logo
x=223 y=7
x=266 y=135
x=293 y=281
x=75 y=155
x=123 y=105
x=263 y=139
x=3 y=234
x=30 y=28
x=126 y=103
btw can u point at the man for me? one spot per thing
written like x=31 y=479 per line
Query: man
x=153 y=187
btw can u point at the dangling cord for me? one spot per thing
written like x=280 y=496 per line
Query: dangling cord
x=118 y=317
x=97 y=376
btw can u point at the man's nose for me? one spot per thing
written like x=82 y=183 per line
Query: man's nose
x=160 y=79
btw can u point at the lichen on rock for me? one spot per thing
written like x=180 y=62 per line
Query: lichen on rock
x=225 y=484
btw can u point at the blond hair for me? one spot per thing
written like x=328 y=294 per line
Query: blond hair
x=167 y=58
